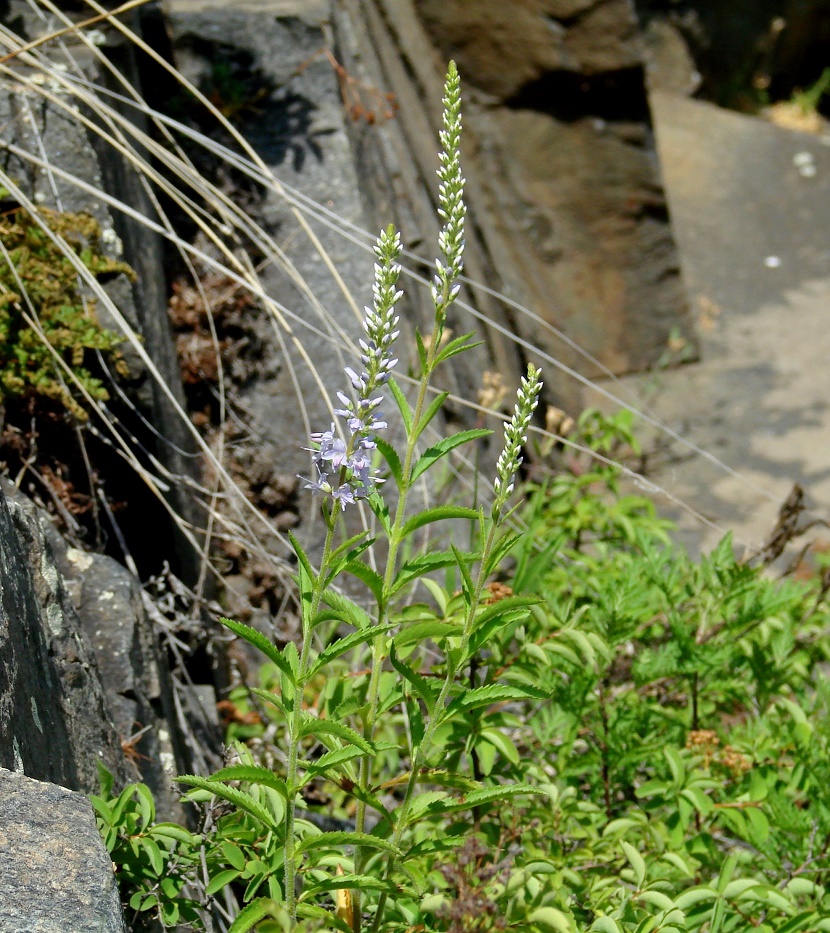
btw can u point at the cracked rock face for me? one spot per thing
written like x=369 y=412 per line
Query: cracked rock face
x=54 y=721
x=57 y=876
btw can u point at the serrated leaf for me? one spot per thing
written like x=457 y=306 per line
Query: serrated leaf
x=432 y=410
x=419 y=684
x=252 y=913
x=393 y=461
x=336 y=839
x=454 y=347
x=253 y=774
x=372 y=579
x=342 y=645
x=237 y=797
x=489 y=694
x=350 y=611
x=437 y=514
x=263 y=644
x=360 y=882
x=413 y=634
x=402 y=403
x=445 y=446
x=332 y=759
x=313 y=726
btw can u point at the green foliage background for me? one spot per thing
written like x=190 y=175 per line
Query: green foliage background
x=678 y=750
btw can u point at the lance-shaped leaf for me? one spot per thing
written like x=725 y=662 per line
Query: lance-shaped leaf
x=402 y=403
x=337 y=839
x=489 y=694
x=257 y=910
x=359 y=882
x=237 y=797
x=313 y=726
x=439 y=513
x=454 y=347
x=477 y=798
x=253 y=775
x=432 y=410
x=393 y=461
x=349 y=611
x=264 y=644
x=420 y=684
x=370 y=577
x=426 y=563
x=334 y=759
x=420 y=631
x=443 y=447
x=342 y=645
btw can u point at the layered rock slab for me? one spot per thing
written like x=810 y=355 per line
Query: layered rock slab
x=57 y=876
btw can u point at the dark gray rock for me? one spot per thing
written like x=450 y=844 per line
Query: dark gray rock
x=57 y=876
x=54 y=722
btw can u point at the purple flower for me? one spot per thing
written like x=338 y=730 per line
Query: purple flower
x=344 y=467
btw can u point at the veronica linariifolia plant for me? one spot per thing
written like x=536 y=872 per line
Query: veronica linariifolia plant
x=377 y=856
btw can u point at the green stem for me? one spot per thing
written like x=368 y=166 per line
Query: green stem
x=295 y=722
x=379 y=643
x=420 y=754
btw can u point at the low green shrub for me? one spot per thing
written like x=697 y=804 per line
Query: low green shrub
x=566 y=725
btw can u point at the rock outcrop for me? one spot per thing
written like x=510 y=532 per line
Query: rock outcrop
x=57 y=876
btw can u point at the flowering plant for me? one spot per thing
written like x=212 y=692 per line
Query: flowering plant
x=376 y=856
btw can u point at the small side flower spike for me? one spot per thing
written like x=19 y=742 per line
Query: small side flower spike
x=515 y=437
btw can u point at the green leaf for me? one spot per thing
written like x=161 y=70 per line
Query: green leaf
x=217 y=882
x=390 y=455
x=253 y=775
x=332 y=759
x=380 y=510
x=237 y=797
x=636 y=862
x=551 y=919
x=443 y=447
x=265 y=645
x=420 y=684
x=233 y=855
x=370 y=577
x=492 y=693
x=694 y=896
x=413 y=634
x=466 y=579
x=349 y=611
x=437 y=514
x=342 y=645
x=313 y=726
x=360 y=882
x=337 y=839
x=503 y=743
x=431 y=411
x=456 y=346
x=402 y=403
x=252 y=913
x=676 y=766
x=605 y=925
x=484 y=795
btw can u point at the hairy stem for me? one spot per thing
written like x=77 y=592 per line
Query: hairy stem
x=295 y=722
